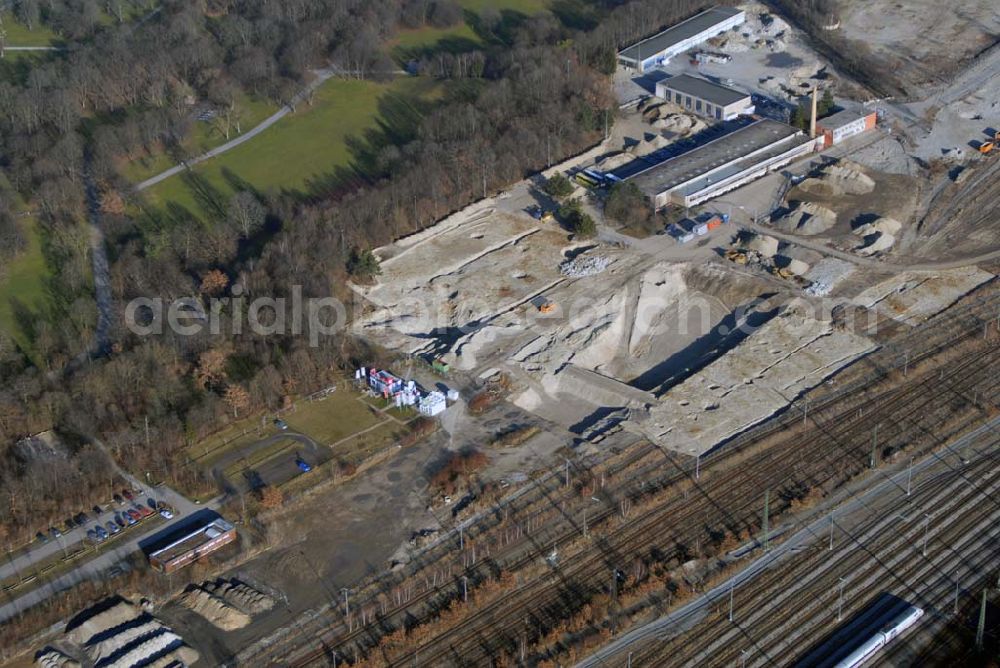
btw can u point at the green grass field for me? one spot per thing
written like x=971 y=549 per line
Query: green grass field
x=23 y=279
x=204 y=137
x=332 y=419
x=458 y=38
x=19 y=35
x=303 y=151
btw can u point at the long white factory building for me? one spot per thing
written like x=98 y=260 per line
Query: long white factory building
x=660 y=48
x=724 y=164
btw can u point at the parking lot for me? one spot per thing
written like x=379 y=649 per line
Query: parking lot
x=82 y=534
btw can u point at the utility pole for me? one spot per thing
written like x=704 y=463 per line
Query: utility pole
x=567 y=472
x=805 y=412
x=743 y=658
x=956 y=594
x=465 y=589
x=767 y=501
x=697 y=466
x=909 y=476
x=347 y=603
x=461 y=537
x=982 y=623
x=831 y=532
x=927 y=522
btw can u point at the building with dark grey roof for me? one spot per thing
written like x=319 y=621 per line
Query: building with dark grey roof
x=723 y=164
x=658 y=49
x=704 y=98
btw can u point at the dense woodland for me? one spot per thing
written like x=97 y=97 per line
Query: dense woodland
x=536 y=92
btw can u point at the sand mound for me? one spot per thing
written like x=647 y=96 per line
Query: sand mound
x=214 y=609
x=763 y=244
x=53 y=658
x=808 y=218
x=681 y=124
x=876 y=243
x=228 y=604
x=614 y=161
x=241 y=596
x=653 y=112
x=123 y=635
x=818 y=187
x=797 y=267
x=850 y=180
x=845 y=178
x=881 y=226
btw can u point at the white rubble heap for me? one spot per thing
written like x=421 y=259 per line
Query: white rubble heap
x=585 y=265
x=788 y=355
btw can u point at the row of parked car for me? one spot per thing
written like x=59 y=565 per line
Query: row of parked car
x=126 y=518
x=120 y=519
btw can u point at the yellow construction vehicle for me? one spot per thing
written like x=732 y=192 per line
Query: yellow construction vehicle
x=739 y=257
x=987 y=147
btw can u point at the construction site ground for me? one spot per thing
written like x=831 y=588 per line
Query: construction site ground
x=923 y=42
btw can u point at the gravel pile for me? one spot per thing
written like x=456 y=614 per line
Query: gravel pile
x=589 y=265
x=53 y=658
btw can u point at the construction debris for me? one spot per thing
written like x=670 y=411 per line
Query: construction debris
x=584 y=265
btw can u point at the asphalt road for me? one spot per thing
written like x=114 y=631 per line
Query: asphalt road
x=883 y=265
x=688 y=615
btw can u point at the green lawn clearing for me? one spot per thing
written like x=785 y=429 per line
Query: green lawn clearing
x=19 y=35
x=409 y=44
x=311 y=150
x=23 y=279
x=334 y=418
x=204 y=136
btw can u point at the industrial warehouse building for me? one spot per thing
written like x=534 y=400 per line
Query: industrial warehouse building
x=658 y=49
x=704 y=98
x=724 y=164
x=842 y=125
x=205 y=538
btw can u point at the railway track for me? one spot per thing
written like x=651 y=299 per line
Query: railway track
x=774 y=615
x=330 y=633
x=503 y=616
